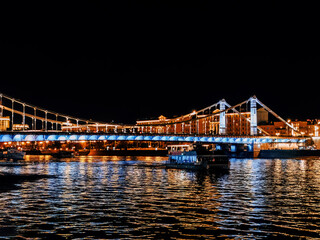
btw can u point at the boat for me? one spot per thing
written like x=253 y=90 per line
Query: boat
x=12 y=153
x=195 y=157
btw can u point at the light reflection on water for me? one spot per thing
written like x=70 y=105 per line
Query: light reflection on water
x=115 y=198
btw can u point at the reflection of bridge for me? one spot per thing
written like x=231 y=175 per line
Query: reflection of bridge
x=21 y=121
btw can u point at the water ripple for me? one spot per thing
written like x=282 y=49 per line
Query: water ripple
x=115 y=198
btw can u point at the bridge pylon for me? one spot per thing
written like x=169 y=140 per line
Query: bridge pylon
x=222 y=127
x=253 y=116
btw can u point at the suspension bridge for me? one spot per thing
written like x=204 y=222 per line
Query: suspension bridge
x=219 y=123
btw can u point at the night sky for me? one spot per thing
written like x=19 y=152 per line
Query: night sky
x=132 y=60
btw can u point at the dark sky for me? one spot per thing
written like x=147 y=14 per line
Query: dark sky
x=131 y=60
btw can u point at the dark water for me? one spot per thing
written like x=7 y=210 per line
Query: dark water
x=108 y=198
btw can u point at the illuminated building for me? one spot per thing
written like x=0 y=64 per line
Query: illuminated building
x=306 y=128
x=201 y=124
x=20 y=127
x=4 y=123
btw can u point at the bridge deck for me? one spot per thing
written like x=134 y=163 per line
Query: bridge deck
x=80 y=136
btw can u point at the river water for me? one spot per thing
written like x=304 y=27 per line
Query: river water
x=117 y=198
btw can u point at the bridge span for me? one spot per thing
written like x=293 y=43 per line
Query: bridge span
x=74 y=136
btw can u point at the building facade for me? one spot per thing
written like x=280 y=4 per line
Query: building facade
x=236 y=124
x=4 y=123
x=305 y=128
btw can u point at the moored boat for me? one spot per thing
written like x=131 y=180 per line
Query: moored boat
x=12 y=153
x=195 y=157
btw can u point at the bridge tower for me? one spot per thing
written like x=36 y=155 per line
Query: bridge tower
x=1 y=107
x=222 y=129
x=253 y=116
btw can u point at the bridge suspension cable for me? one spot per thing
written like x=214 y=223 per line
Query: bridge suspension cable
x=278 y=117
x=201 y=114
x=212 y=118
x=243 y=117
x=45 y=116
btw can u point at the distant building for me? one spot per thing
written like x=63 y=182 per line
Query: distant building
x=20 y=127
x=306 y=128
x=4 y=123
x=236 y=123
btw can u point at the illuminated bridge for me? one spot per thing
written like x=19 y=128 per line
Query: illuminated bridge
x=219 y=123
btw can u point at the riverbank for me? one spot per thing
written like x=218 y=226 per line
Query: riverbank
x=292 y=153
x=105 y=152
x=129 y=152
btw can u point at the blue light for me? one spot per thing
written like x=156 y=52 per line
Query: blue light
x=40 y=138
x=73 y=137
x=30 y=138
x=62 y=138
x=51 y=138
x=18 y=138
x=131 y=138
x=83 y=138
x=103 y=137
x=6 y=138
x=139 y=138
x=93 y=138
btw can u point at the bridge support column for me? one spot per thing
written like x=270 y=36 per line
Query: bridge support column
x=222 y=129
x=1 y=108
x=12 y=114
x=253 y=116
x=233 y=148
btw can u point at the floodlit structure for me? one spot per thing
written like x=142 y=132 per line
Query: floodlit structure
x=219 y=123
